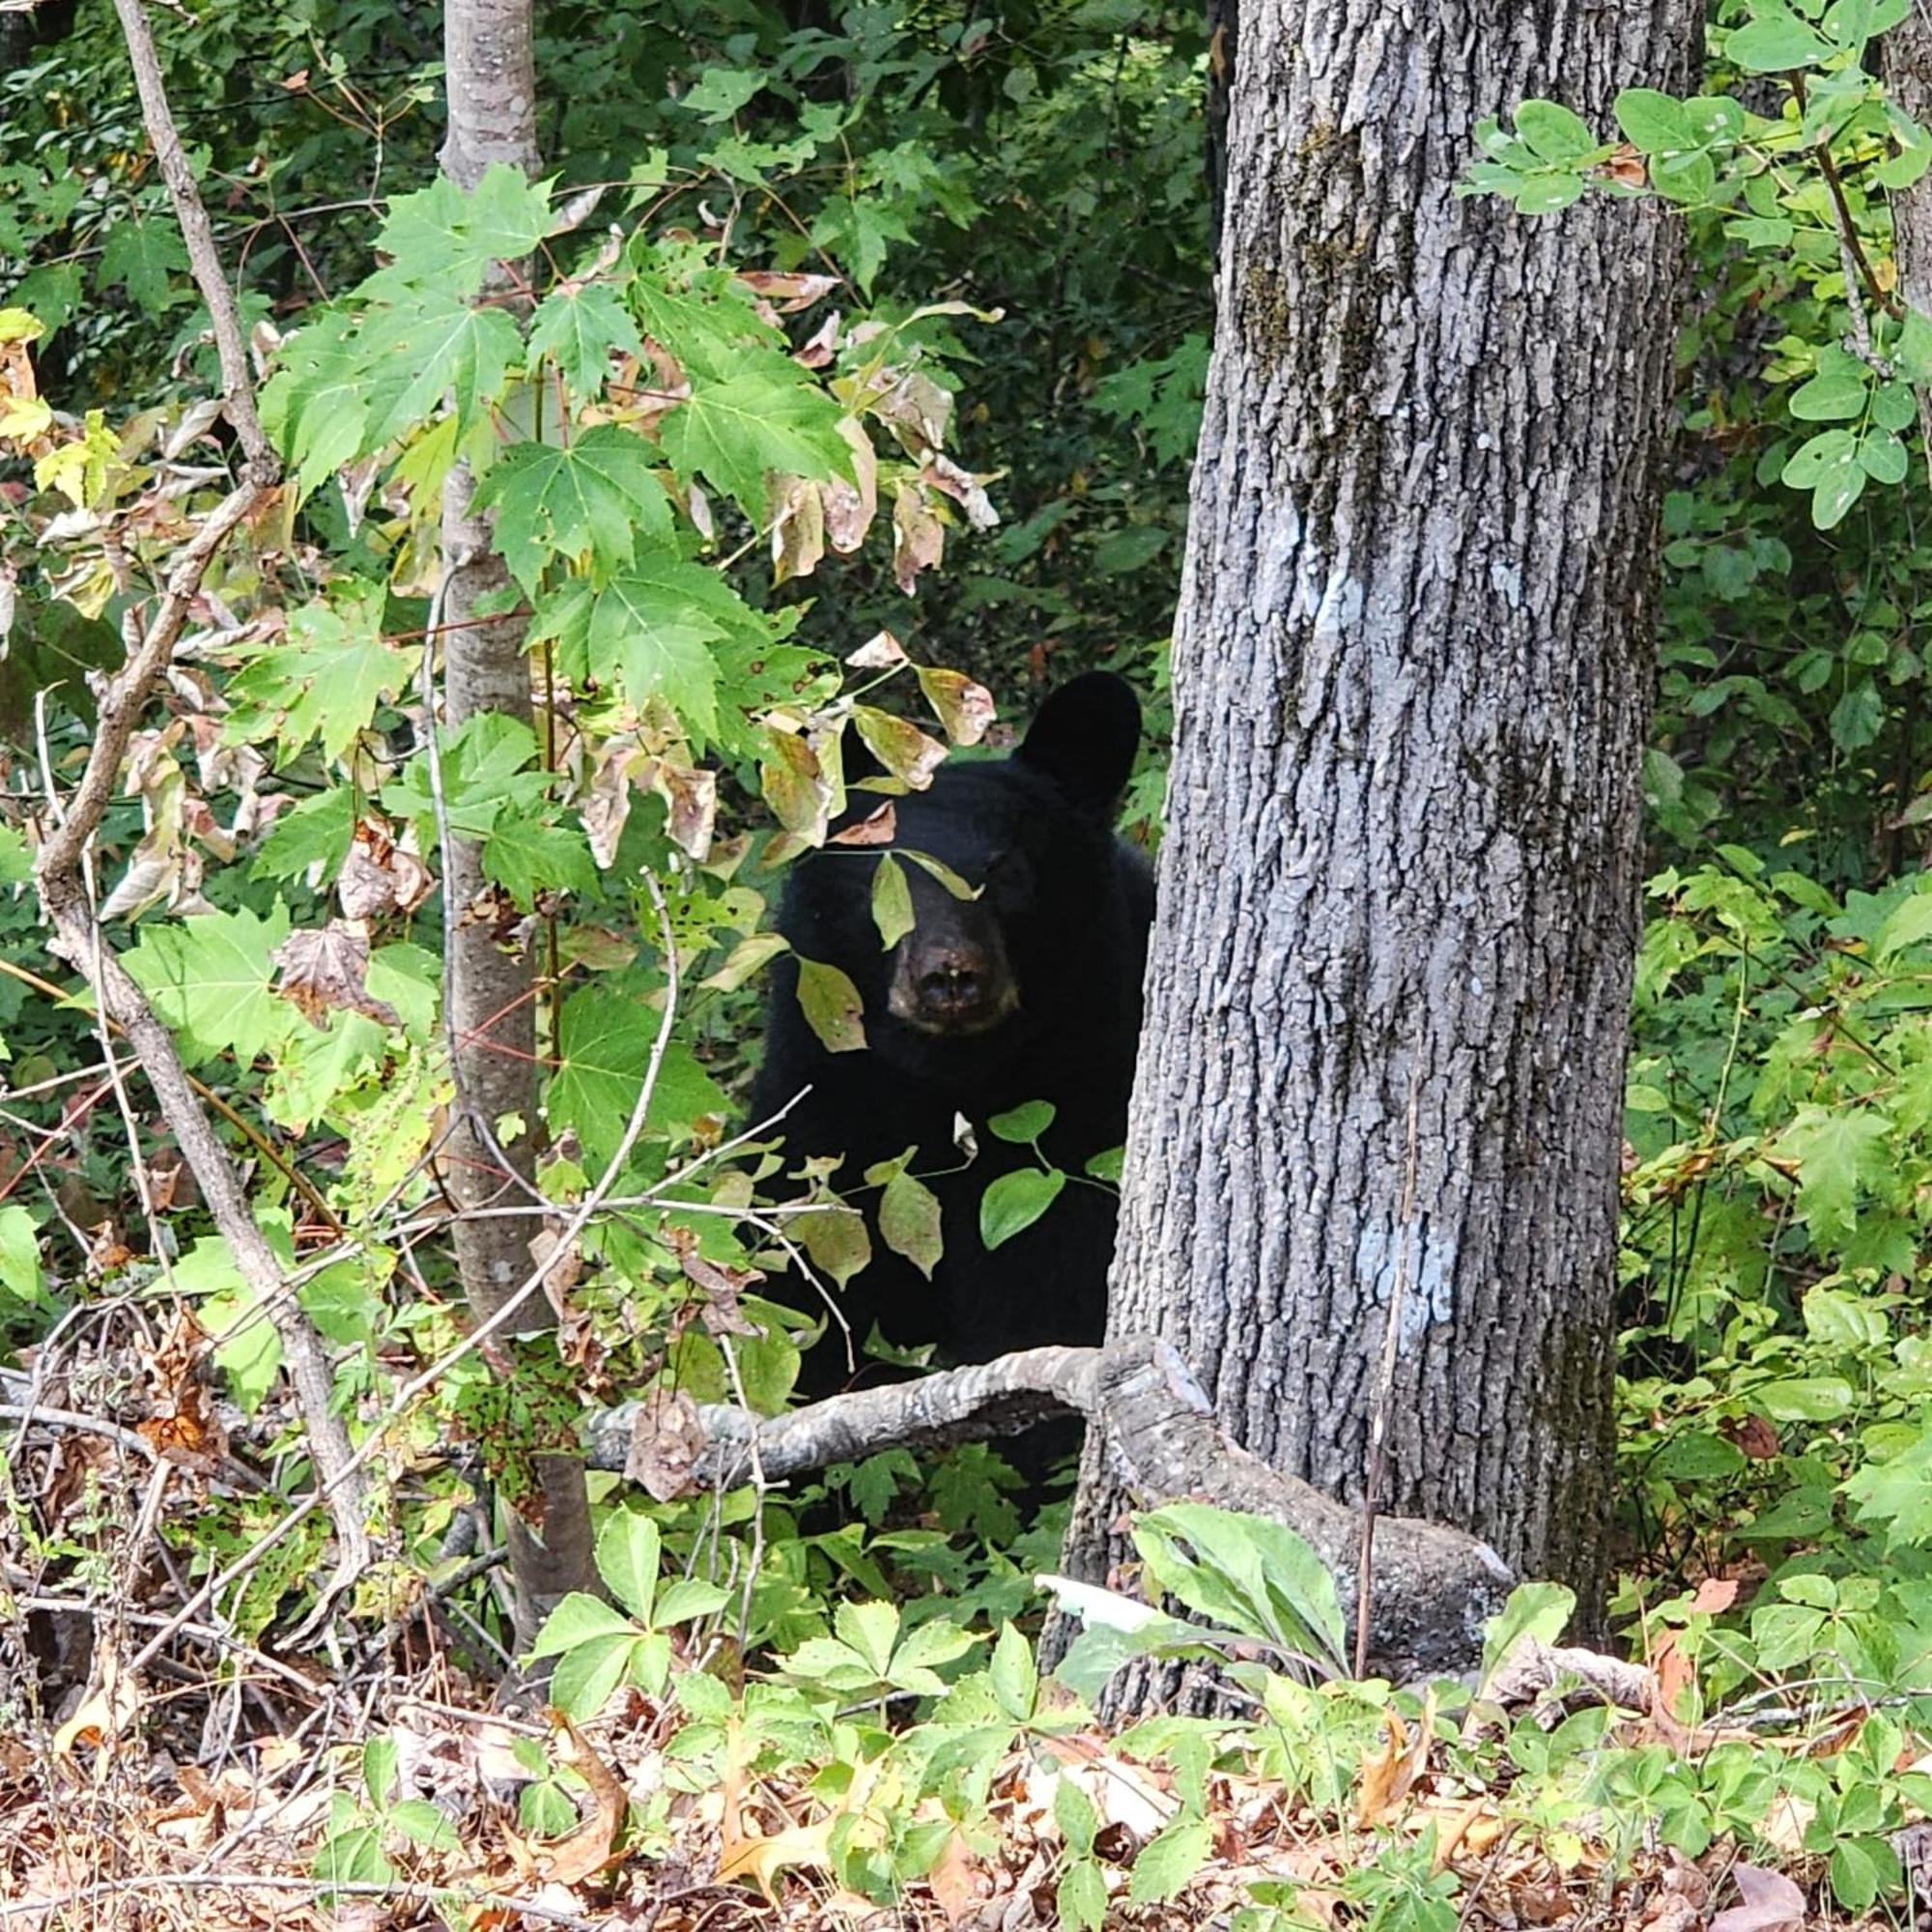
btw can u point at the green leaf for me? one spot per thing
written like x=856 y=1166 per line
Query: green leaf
x=586 y=1676
x=1805 y=1399
x=1073 y=1813
x=1882 y=457
x=604 y=1046
x=1080 y=1899
x=759 y=421
x=628 y=1552
x=380 y=1760
x=1554 y=133
x=1541 y=1610
x=1015 y=1680
x=687 y=1598
x=1893 y=405
x=148 y=260
x=19 y=1255
x=1653 y=123
x=1169 y=1860
x=1911 y=352
x=1251 y=1574
x=1861 y=1868
x=585 y=503
x=892 y=901
x=1688 y=180
x=1908 y=924
x=658 y=655
x=1897 y=1493
x=444 y=238
x=436 y=350
x=326 y=682
x=1837 y=1154
x=909 y=1222
x=720 y=92
x=1015 y=1201
x=1774 y=41
x=1857 y=717
x=832 y=1006
x=578 y=325
x=1834 y=395
x=1548 y=194
x=1829 y=450
x=1715 y=120
x=580 y=1619
x=1024 y=1123
x=528 y=854
x=1107 y=1164
x=1835 y=494
x=1851 y=23
x=318 y=832
x=210 y=979
x=646 y=627
x=422 y=1823
x=872 y=1631
x=316 y=405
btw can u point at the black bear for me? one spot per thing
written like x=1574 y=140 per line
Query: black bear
x=1030 y=991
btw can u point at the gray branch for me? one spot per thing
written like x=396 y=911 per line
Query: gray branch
x=1433 y=1587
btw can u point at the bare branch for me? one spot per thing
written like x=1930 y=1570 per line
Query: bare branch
x=204 y=258
x=1433 y=1589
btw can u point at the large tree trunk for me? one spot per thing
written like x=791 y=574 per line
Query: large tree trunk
x=490 y=982
x=1411 y=676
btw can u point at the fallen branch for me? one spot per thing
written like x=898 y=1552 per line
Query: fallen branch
x=1432 y=1588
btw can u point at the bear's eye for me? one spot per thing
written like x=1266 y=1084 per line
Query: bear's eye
x=1010 y=879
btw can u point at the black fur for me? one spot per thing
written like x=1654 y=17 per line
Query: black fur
x=1061 y=928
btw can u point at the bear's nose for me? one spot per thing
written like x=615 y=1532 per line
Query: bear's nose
x=952 y=986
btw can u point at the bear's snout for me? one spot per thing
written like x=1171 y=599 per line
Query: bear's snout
x=952 y=986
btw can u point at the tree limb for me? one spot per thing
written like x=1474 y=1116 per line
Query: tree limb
x=204 y=257
x=57 y=868
x=1432 y=1588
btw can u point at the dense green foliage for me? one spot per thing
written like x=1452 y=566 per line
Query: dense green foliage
x=895 y=320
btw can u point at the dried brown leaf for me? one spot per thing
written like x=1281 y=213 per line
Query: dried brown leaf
x=919 y=540
x=850 y=507
x=328 y=970
x=1770 y=1902
x=666 y=1439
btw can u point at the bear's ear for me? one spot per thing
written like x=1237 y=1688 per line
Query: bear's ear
x=1085 y=738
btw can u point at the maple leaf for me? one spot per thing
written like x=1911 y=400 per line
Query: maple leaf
x=577 y=326
x=211 y=978
x=588 y=500
x=326 y=681
x=442 y=237
x=326 y=971
x=1837 y=1154
x=604 y=1046
x=436 y=348
x=763 y=419
x=316 y=405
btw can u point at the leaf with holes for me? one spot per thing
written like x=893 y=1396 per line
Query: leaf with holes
x=832 y=1006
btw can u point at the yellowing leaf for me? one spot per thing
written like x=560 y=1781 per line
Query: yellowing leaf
x=892 y=901
x=831 y=1006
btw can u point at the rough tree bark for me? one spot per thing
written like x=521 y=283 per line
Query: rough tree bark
x=490 y=979
x=1224 y=21
x=1411 y=676
x=1907 y=51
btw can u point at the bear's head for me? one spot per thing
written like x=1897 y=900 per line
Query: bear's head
x=1032 y=835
